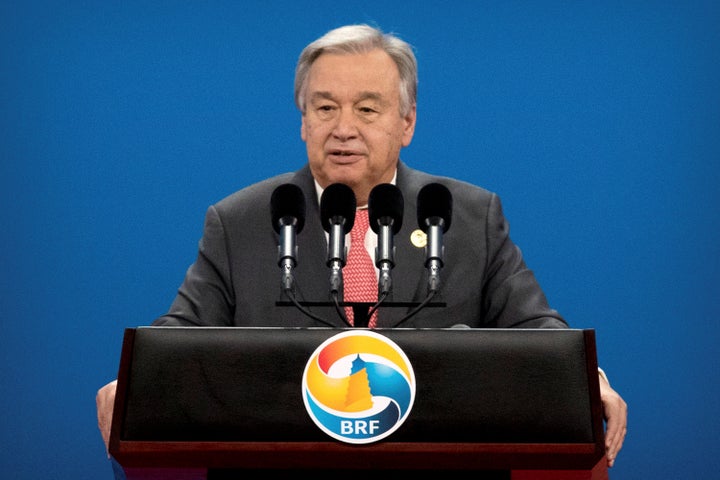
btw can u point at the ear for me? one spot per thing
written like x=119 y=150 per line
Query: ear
x=303 y=128
x=409 y=129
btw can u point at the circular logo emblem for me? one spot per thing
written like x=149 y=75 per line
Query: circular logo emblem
x=358 y=386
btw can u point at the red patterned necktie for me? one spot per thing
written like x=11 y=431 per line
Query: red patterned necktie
x=359 y=276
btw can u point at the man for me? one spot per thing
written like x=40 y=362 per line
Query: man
x=356 y=90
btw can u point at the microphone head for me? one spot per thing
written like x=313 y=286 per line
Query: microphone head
x=287 y=202
x=338 y=204
x=434 y=203
x=385 y=207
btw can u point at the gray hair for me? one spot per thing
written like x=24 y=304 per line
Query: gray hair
x=356 y=39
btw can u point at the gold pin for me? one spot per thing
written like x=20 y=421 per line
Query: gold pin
x=418 y=238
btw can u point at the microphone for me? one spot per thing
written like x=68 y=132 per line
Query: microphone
x=287 y=206
x=337 y=214
x=434 y=215
x=385 y=211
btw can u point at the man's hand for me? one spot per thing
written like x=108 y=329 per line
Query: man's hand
x=615 y=412
x=105 y=400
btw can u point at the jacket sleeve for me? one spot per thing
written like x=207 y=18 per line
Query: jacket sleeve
x=512 y=297
x=205 y=297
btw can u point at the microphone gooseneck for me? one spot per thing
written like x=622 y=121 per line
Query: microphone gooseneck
x=337 y=215
x=385 y=211
x=287 y=206
x=434 y=215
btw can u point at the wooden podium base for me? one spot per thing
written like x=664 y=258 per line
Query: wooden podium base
x=166 y=473
x=599 y=472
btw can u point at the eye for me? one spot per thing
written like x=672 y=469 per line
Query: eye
x=367 y=112
x=325 y=111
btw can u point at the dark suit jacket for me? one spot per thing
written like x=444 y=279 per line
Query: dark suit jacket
x=236 y=280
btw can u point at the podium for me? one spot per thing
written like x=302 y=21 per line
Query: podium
x=223 y=402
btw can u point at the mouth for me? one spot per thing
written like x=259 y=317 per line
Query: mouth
x=344 y=156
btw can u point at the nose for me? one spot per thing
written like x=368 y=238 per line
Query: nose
x=345 y=128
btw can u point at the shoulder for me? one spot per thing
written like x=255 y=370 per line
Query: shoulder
x=257 y=196
x=252 y=193
x=412 y=180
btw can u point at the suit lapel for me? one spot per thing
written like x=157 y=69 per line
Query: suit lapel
x=409 y=272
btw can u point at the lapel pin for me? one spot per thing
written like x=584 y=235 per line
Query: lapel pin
x=418 y=238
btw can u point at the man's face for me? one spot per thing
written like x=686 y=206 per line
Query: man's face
x=352 y=125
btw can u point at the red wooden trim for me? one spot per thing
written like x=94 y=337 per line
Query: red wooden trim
x=386 y=455
x=598 y=472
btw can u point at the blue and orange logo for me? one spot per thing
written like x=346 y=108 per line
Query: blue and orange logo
x=358 y=386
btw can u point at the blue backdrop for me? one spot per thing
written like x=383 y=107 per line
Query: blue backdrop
x=598 y=123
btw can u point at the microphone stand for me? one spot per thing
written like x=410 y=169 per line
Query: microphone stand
x=362 y=310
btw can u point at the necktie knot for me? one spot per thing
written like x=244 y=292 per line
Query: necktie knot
x=362 y=223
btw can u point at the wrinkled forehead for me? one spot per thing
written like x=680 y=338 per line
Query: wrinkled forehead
x=371 y=75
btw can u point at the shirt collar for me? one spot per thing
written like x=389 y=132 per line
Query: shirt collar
x=319 y=190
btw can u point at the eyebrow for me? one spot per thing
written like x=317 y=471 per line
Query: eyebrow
x=366 y=95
